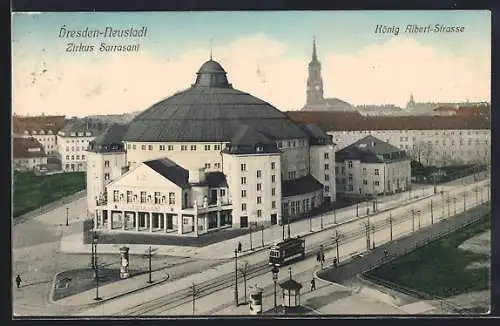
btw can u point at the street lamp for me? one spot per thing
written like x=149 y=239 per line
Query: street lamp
x=432 y=214
x=390 y=224
x=373 y=236
x=337 y=238
x=275 y=270
x=67 y=216
x=290 y=273
x=96 y=268
x=413 y=220
x=236 y=277
x=251 y=242
x=465 y=196
x=262 y=234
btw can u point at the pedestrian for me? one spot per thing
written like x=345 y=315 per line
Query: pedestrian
x=318 y=257
x=239 y=246
x=386 y=252
x=313 y=285
x=335 y=262
x=322 y=257
x=18 y=280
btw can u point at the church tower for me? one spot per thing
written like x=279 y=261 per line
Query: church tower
x=411 y=102
x=314 y=81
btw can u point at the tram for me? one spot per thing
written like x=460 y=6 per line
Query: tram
x=286 y=250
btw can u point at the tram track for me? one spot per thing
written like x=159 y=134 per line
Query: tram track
x=185 y=296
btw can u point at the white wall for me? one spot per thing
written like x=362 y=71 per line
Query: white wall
x=29 y=163
x=262 y=162
x=447 y=146
x=318 y=161
x=73 y=152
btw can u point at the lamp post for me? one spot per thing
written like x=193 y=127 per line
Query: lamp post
x=334 y=216
x=413 y=220
x=367 y=233
x=357 y=208
x=465 y=196
x=92 y=258
x=288 y=226
x=323 y=214
x=251 y=242
x=67 y=216
x=336 y=239
x=149 y=255
x=418 y=215
x=236 y=277
x=275 y=270
x=96 y=268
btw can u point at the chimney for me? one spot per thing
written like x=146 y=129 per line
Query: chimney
x=197 y=175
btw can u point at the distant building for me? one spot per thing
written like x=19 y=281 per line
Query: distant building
x=73 y=140
x=42 y=128
x=381 y=110
x=28 y=154
x=443 y=108
x=371 y=167
x=315 y=99
x=431 y=140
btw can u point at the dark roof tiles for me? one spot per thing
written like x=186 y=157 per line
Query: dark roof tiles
x=302 y=185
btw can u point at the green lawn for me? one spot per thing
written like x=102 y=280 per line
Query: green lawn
x=438 y=268
x=32 y=192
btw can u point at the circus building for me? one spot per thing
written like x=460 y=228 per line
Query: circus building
x=207 y=158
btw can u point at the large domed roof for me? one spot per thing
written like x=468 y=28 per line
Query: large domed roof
x=210 y=110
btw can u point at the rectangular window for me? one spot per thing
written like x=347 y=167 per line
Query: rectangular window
x=216 y=147
x=327 y=189
x=273 y=204
x=170 y=147
x=193 y=147
x=157 y=198
x=207 y=165
x=143 y=196
x=326 y=156
x=259 y=213
x=129 y=196
x=143 y=147
x=243 y=193
x=259 y=186
x=115 y=195
x=364 y=171
x=106 y=176
x=376 y=171
x=349 y=164
x=327 y=166
x=134 y=146
x=162 y=147
x=336 y=170
x=78 y=157
x=243 y=167
x=365 y=182
x=150 y=147
x=222 y=192
x=106 y=164
x=259 y=173
x=243 y=180
x=327 y=177
x=207 y=147
x=171 y=198
x=259 y=200
x=273 y=165
x=83 y=157
x=376 y=183
x=273 y=178
x=273 y=191
x=184 y=147
x=243 y=207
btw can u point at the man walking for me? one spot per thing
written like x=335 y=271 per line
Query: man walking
x=322 y=257
x=313 y=285
x=18 y=280
x=318 y=257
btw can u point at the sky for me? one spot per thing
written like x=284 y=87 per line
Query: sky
x=264 y=53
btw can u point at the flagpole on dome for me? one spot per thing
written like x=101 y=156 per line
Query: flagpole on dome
x=211 y=48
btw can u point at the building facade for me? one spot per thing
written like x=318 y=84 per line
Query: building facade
x=73 y=140
x=28 y=154
x=432 y=140
x=371 y=167
x=43 y=128
x=225 y=158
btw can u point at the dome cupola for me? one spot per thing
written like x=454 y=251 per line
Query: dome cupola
x=211 y=74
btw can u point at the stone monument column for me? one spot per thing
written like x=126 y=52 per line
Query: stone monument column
x=124 y=265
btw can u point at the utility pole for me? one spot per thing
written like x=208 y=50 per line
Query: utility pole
x=465 y=196
x=413 y=220
x=262 y=234
x=367 y=233
x=67 y=216
x=390 y=224
x=334 y=216
x=373 y=236
x=336 y=239
x=251 y=242
x=243 y=271
x=194 y=293
x=357 y=208
x=236 y=277
x=288 y=226
x=149 y=255
x=432 y=214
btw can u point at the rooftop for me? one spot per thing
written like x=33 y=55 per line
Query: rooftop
x=21 y=148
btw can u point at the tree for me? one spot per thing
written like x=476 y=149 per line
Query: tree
x=427 y=152
x=418 y=151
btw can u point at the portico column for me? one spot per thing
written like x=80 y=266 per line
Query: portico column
x=165 y=222
x=136 y=221
x=110 y=220
x=123 y=220
x=179 y=223
x=150 y=222
x=218 y=219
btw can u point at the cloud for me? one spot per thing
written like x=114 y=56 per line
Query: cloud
x=82 y=84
